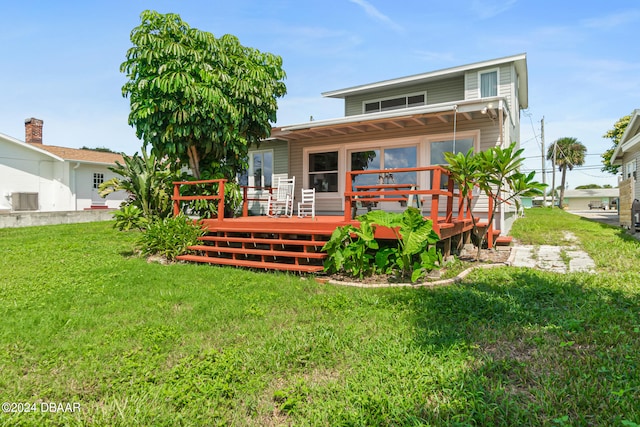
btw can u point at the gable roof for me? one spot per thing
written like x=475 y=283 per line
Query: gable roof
x=630 y=138
x=67 y=154
x=519 y=61
x=84 y=156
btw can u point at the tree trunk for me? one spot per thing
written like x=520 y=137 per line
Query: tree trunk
x=562 y=184
x=194 y=161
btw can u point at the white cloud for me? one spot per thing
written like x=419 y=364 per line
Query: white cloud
x=374 y=13
x=486 y=9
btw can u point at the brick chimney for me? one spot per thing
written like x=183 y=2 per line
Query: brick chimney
x=33 y=131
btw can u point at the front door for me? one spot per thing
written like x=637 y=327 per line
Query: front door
x=96 y=200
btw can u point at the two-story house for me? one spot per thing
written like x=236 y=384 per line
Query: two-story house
x=404 y=122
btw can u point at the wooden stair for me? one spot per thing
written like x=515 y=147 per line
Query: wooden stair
x=286 y=250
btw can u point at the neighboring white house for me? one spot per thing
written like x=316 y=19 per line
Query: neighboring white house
x=39 y=177
x=589 y=199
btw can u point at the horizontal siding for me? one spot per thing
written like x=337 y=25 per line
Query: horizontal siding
x=446 y=90
x=489 y=135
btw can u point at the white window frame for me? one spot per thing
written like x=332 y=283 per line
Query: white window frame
x=251 y=176
x=630 y=169
x=425 y=149
x=380 y=100
x=305 y=169
x=488 y=71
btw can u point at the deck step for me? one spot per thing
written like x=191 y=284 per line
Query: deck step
x=504 y=240
x=263 y=240
x=257 y=251
x=252 y=264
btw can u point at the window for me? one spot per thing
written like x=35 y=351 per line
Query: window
x=260 y=172
x=489 y=84
x=386 y=104
x=261 y=168
x=323 y=172
x=98 y=178
x=438 y=148
x=385 y=158
x=630 y=169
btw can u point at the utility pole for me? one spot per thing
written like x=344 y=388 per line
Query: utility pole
x=544 y=160
x=553 y=176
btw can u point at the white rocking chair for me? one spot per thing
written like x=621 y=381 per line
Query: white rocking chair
x=308 y=204
x=281 y=200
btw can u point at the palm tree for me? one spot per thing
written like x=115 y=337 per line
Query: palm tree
x=569 y=152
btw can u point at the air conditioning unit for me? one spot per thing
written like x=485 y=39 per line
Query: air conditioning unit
x=24 y=201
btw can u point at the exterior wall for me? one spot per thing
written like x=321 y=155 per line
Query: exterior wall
x=485 y=131
x=627 y=188
x=82 y=187
x=447 y=90
x=27 y=171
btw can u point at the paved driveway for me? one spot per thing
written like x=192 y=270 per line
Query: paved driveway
x=606 y=217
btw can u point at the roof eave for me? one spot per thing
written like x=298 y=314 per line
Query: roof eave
x=519 y=59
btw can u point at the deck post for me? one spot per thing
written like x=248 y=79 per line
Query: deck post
x=450 y=185
x=245 y=202
x=221 y=200
x=347 y=197
x=435 y=199
x=176 y=197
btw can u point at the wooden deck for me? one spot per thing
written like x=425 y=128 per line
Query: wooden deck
x=294 y=244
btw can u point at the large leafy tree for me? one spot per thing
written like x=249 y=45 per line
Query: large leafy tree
x=199 y=99
x=569 y=152
x=614 y=135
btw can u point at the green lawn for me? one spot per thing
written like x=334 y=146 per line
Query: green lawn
x=85 y=322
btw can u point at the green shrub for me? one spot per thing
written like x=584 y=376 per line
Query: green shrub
x=170 y=237
x=352 y=249
x=129 y=217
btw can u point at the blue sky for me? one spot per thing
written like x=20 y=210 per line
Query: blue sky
x=60 y=60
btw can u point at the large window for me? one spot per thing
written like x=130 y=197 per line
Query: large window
x=323 y=171
x=489 y=84
x=385 y=158
x=386 y=104
x=438 y=148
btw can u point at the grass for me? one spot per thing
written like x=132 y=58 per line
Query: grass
x=84 y=321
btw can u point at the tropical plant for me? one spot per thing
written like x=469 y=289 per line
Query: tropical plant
x=615 y=135
x=566 y=153
x=495 y=172
x=170 y=236
x=198 y=99
x=353 y=249
x=129 y=217
x=149 y=182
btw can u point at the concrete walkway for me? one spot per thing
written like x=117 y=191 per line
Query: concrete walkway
x=558 y=259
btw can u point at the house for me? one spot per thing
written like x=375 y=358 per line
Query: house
x=589 y=199
x=403 y=122
x=45 y=178
x=627 y=156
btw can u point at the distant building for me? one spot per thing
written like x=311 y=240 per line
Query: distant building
x=46 y=178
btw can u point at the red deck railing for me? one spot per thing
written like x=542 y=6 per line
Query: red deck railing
x=380 y=193
x=177 y=198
